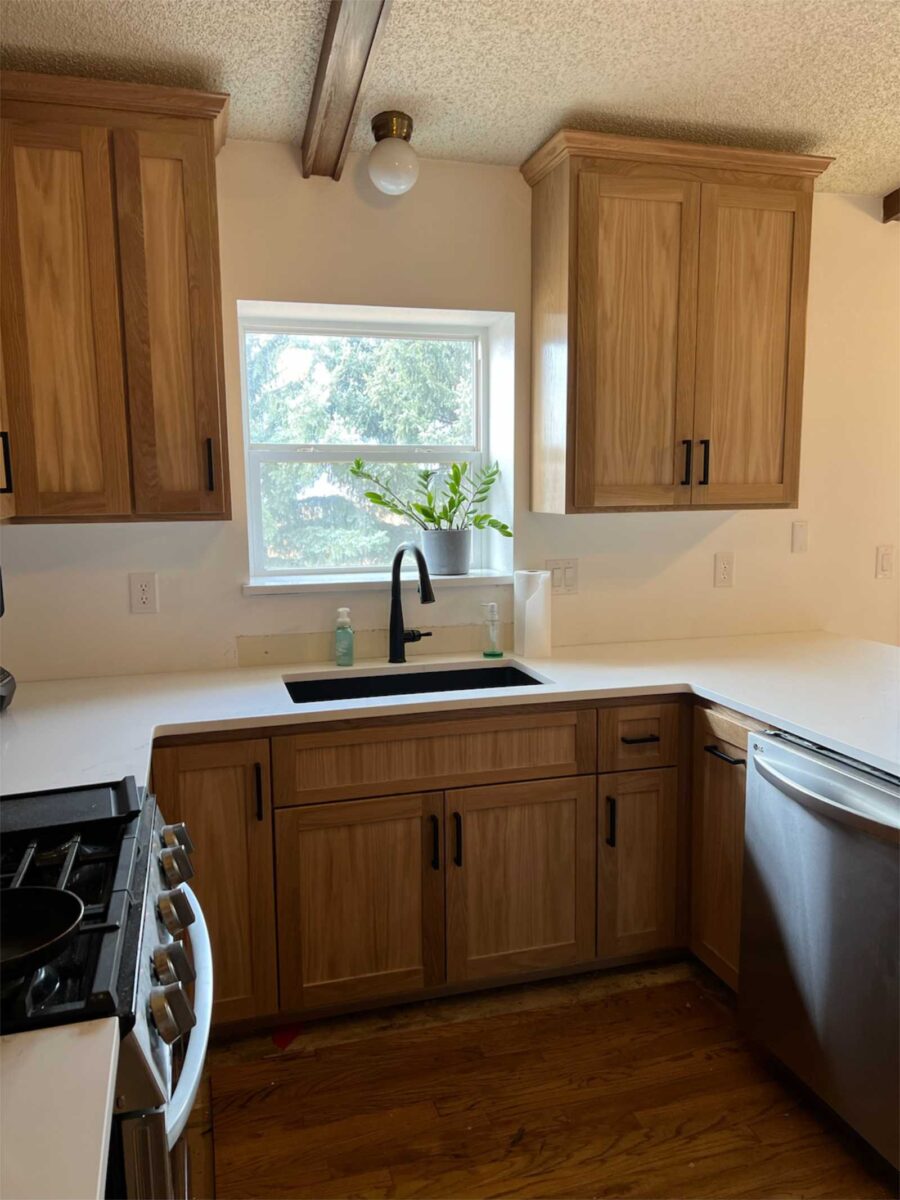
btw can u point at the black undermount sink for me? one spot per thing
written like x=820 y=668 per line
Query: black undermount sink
x=401 y=683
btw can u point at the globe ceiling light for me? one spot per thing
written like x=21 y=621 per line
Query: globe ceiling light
x=393 y=165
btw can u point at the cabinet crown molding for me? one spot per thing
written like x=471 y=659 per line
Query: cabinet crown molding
x=567 y=143
x=128 y=97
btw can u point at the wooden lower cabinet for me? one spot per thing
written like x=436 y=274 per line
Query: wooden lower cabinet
x=637 y=902
x=719 y=775
x=360 y=899
x=521 y=877
x=222 y=792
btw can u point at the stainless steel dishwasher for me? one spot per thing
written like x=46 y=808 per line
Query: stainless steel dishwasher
x=820 y=929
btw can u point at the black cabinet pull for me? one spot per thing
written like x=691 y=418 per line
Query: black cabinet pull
x=435 y=843
x=717 y=753
x=457 y=825
x=704 y=478
x=688 y=460
x=611 y=821
x=257 y=783
x=7 y=465
x=640 y=741
x=210 y=468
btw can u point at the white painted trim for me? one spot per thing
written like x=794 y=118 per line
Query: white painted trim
x=286 y=585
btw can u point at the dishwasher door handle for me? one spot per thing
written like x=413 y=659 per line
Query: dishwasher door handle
x=830 y=809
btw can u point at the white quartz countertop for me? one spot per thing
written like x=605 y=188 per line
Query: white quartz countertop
x=838 y=692
x=56 y=1099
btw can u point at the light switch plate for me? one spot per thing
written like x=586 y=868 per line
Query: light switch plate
x=884 y=562
x=799 y=537
x=563 y=576
x=724 y=569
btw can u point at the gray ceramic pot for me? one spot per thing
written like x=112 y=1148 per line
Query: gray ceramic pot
x=447 y=551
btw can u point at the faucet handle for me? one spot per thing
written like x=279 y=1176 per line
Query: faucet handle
x=415 y=635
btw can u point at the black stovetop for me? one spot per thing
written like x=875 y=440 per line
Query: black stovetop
x=101 y=836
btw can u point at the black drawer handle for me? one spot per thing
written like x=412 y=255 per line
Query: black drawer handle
x=457 y=825
x=257 y=783
x=717 y=753
x=704 y=478
x=641 y=741
x=7 y=465
x=688 y=460
x=435 y=843
x=210 y=467
x=611 y=821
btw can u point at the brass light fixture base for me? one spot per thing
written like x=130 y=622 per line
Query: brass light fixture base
x=392 y=124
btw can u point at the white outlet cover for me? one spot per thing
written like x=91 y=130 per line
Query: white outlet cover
x=884 y=562
x=143 y=592
x=723 y=575
x=799 y=537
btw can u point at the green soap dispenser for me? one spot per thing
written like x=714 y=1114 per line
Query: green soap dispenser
x=343 y=639
x=491 y=640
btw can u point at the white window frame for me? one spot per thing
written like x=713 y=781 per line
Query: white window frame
x=255 y=454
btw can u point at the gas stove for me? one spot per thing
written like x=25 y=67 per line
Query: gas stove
x=109 y=846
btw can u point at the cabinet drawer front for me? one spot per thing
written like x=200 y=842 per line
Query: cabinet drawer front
x=360 y=899
x=310 y=768
x=639 y=736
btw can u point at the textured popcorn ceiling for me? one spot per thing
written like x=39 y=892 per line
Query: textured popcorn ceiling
x=489 y=80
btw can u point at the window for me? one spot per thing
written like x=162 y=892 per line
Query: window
x=319 y=394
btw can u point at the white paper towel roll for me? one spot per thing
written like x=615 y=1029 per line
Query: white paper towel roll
x=531 y=590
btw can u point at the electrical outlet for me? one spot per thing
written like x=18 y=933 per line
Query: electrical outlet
x=143 y=592
x=799 y=537
x=563 y=576
x=724 y=569
x=884 y=562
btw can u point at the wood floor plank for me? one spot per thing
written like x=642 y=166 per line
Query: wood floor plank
x=649 y=1093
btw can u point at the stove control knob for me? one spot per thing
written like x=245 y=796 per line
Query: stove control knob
x=177 y=835
x=172 y=964
x=175 y=911
x=171 y=1011
x=176 y=865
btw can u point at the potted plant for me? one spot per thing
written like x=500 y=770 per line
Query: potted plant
x=446 y=515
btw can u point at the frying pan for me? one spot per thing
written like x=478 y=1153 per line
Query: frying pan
x=35 y=924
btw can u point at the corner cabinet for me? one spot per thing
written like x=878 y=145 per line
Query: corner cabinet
x=669 y=306
x=112 y=343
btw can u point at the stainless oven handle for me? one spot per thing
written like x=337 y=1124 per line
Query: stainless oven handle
x=830 y=809
x=179 y=1107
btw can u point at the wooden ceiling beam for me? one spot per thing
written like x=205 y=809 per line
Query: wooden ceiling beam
x=351 y=36
x=891 y=206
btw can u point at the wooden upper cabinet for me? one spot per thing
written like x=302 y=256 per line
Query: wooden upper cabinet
x=754 y=265
x=168 y=245
x=222 y=791
x=65 y=388
x=669 y=307
x=521 y=877
x=111 y=300
x=636 y=281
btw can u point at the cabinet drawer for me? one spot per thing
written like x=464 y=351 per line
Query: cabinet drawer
x=373 y=761
x=638 y=736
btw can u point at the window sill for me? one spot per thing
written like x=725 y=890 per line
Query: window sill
x=286 y=585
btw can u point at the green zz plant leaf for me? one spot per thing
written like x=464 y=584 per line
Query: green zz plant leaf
x=457 y=504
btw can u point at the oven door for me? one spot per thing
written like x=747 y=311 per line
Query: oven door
x=154 y=1156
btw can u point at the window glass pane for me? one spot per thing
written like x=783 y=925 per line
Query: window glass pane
x=314 y=516
x=346 y=390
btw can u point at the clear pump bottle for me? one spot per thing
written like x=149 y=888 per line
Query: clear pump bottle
x=491 y=641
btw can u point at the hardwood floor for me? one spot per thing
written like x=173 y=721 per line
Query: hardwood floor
x=628 y=1084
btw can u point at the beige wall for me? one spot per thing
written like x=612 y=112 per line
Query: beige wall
x=460 y=239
